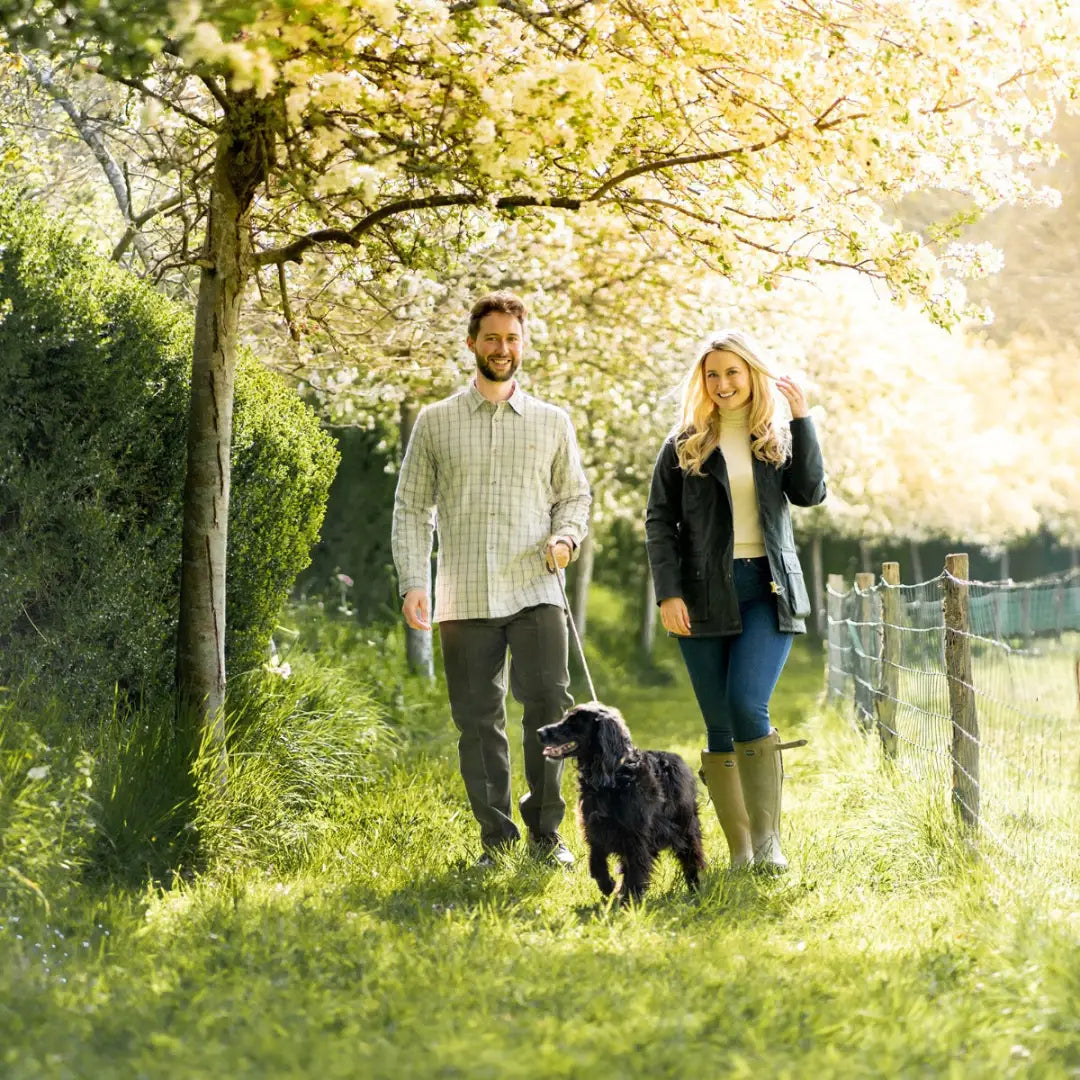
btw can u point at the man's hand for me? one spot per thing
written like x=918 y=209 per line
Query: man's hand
x=674 y=616
x=417 y=609
x=557 y=554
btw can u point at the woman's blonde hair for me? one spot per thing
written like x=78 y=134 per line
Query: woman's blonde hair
x=697 y=432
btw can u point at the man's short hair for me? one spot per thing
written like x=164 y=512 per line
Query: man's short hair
x=505 y=302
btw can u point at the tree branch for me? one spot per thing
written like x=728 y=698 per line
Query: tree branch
x=169 y=103
x=864 y=266
x=92 y=137
x=686 y=159
x=136 y=222
x=286 y=307
x=516 y=9
x=295 y=251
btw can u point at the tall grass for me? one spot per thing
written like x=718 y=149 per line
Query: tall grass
x=128 y=798
x=299 y=748
x=45 y=808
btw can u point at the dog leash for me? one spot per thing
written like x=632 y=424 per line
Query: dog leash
x=574 y=630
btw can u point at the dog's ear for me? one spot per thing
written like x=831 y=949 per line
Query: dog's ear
x=614 y=740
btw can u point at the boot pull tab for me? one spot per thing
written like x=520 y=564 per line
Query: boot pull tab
x=791 y=745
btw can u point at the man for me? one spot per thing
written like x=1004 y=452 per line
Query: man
x=499 y=473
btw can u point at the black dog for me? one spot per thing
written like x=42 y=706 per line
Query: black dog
x=634 y=803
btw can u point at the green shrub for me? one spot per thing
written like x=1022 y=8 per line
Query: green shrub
x=94 y=374
x=283 y=466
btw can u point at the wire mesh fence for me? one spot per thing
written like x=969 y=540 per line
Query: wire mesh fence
x=973 y=688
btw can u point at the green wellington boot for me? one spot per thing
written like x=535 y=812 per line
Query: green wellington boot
x=721 y=776
x=761 y=771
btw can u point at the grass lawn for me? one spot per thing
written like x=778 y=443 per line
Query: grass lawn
x=380 y=952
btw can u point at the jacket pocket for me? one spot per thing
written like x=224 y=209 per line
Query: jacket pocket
x=695 y=593
x=798 y=597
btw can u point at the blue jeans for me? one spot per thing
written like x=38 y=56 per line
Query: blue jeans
x=734 y=676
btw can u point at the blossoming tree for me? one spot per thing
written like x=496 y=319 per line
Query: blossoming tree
x=765 y=135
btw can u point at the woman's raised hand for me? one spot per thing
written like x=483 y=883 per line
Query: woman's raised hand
x=795 y=396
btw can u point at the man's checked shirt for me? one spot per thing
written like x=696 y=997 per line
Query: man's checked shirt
x=498 y=482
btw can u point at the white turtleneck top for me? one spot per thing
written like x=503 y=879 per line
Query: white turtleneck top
x=735 y=446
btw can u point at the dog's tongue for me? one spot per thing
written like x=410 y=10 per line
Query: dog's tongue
x=557 y=751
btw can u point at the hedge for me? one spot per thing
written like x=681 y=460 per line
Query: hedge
x=94 y=380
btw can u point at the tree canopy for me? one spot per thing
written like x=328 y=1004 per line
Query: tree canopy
x=770 y=134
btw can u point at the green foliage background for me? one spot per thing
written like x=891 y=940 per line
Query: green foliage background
x=94 y=374
x=355 y=536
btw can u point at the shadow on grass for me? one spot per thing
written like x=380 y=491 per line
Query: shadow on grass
x=458 y=886
x=518 y=882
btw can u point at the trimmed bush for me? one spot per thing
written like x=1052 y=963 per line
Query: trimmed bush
x=94 y=376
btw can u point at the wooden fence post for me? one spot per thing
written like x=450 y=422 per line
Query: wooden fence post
x=965 y=720
x=890 y=658
x=835 y=675
x=864 y=667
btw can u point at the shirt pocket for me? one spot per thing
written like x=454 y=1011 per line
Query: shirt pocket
x=798 y=597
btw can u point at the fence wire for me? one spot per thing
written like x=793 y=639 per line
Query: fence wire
x=1016 y=777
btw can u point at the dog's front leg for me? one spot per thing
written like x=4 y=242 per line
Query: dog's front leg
x=598 y=867
x=690 y=853
x=637 y=872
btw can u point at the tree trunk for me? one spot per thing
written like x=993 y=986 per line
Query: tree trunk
x=419 y=652
x=916 y=562
x=648 y=614
x=240 y=166
x=817 y=567
x=866 y=557
x=582 y=581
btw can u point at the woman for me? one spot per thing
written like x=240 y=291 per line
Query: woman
x=727 y=575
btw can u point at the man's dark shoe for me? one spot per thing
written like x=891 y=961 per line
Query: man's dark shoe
x=551 y=848
x=492 y=854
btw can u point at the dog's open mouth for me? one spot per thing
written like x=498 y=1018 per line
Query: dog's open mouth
x=560 y=751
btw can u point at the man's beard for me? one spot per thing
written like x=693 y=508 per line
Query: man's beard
x=484 y=367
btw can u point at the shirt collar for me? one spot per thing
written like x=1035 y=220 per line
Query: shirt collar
x=516 y=400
